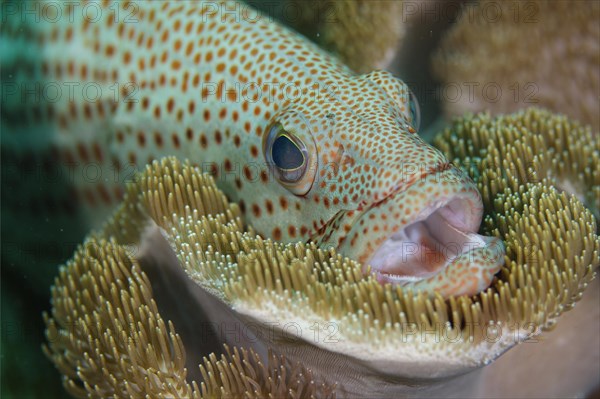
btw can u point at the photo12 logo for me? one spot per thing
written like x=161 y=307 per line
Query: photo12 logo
x=49 y=92
x=68 y=11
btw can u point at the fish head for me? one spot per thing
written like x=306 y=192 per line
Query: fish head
x=376 y=192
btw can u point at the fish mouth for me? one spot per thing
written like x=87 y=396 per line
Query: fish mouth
x=424 y=247
x=440 y=233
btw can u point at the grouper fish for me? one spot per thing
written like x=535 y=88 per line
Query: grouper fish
x=309 y=149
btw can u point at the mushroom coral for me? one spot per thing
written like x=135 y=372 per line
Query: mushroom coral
x=531 y=146
x=502 y=56
x=365 y=34
x=108 y=339
x=315 y=325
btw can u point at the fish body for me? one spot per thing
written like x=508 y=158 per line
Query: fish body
x=309 y=149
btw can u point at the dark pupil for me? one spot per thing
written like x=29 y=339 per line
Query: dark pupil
x=415 y=113
x=285 y=154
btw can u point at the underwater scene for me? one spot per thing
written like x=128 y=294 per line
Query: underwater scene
x=300 y=199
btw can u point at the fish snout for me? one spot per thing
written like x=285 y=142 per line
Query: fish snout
x=424 y=235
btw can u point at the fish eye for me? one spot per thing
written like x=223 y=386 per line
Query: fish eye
x=288 y=157
x=415 y=111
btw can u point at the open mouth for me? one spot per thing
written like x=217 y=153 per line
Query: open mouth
x=424 y=236
x=428 y=245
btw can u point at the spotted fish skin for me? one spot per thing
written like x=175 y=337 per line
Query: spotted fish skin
x=206 y=81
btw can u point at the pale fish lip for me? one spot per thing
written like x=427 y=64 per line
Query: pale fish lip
x=433 y=242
